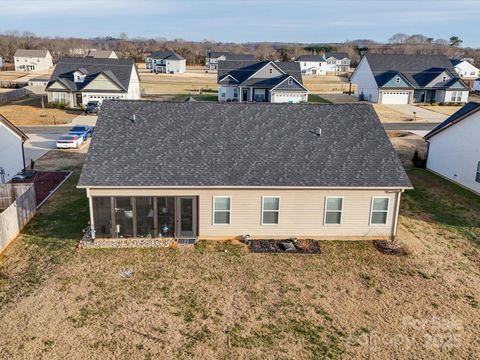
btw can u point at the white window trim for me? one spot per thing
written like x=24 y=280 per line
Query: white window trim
x=325 y=210
x=214 y=210
x=387 y=211
x=278 y=211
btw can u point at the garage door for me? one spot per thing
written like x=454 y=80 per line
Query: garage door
x=395 y=97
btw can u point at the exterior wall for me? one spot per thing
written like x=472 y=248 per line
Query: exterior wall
x=1 y=62
x=176 y=66
x=68 y=97
x=307 y=67
x=265 y=72
x=365 y=81
x=455 y=152
x=99 y=96
x=39 y=64
x=301 y=212
x=134 y=86
x=449 y=93
x=11 y=153
x=227 y=93
x=101 y=83
x=476 y=85
x=467 y=70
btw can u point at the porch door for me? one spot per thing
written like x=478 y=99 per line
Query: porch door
x=79 y=99
x=186 y=217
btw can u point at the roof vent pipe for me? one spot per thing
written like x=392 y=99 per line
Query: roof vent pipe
x=318 y=132
x=133 y=118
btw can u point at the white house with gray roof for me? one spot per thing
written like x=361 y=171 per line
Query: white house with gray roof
x=213 y=57
x=76 y=81
x=202 y=170
x=325 y=64
x=32 y=60
x=166 y=62
x=454 y=148
x=260 y=81
x=102 y=54
x=408 y=79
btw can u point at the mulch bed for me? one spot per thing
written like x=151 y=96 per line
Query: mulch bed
x=45 y=182
x=301 y=246
x=389 y=248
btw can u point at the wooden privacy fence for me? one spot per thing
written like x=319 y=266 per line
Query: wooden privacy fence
x=19 y=205
x=13 y=95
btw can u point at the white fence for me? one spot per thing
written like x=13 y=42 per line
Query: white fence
x=19 y=204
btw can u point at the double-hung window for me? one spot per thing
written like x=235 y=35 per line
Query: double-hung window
x=454 y=96
x=379 y=210
x=222 y=209
x=333 y=210
x=270 y=210
x=477 y=176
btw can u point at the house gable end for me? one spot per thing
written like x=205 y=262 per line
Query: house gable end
x=102 y=82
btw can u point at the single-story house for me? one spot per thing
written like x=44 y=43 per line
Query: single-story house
x=76 y=81
x=260 y=81
x=32 y=60
x=325 y=64
x=454 y=148
x=213 y=57
x=102 y=54
x=12 y=155
x=408 y=79
x=203 y=170
x=168 y=62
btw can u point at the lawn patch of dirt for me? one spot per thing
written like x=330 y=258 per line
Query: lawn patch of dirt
x=28 y=111
x=442 y=109
x=386 y=114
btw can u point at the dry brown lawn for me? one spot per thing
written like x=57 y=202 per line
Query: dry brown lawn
x=11 y=75
x=387 y=114
x=191 y=81
x=28 y=111
x=326 y=84
x=447 y=110
x=217 y=301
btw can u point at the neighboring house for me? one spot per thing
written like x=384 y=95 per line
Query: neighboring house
x=38 y=84
x=1 y=62
x=167 y=62
x=12 y=156
x=260 y=81
x=221 y=171
x=213 y=57
x=102 y=54
x=476 y=85
x=312 y=64
x=454 y=148
x=408 y=79
x=76 y=81
x=32 y=60
x=467 y=71
x=329 y=63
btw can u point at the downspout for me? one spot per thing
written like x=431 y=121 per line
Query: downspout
x=90 y=206
x=397 y=212
x=23 y=155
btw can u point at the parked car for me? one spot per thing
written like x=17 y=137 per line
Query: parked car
x=69 y=141
x=81 y=130
x=92 y=107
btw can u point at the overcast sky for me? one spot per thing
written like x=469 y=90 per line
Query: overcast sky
x=246 y=20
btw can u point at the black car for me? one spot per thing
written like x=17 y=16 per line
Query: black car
x=92 y=107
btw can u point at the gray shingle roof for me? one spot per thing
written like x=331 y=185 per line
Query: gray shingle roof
x=419 y=70
x=311 y=58
x=31 y=53
x=212 y=144
x=118 y=70
x=242 y=70
x=336 y=55
x=230 y=56
x=100 y=54
x=170 y=55
x=467 y=109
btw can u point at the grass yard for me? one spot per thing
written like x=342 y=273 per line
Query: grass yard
x=219 y=302
x=387 y=114
x=189 y=82
x=312 y=98
x=442 y=109
x=28 y=111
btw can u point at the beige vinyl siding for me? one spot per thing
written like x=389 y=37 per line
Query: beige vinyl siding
x=301 y=212
x=101 y=83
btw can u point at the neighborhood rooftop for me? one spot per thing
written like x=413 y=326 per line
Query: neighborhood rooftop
x=30 y=53
x=117 y=70
x=145 y=143
x=419 y=70
x=170 y=55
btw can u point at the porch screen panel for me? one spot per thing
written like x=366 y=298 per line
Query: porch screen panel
x=145 y=216
x=166 y=216
x=102 y=216
x=123 y=217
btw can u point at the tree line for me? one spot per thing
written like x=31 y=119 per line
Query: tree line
x=194 y=51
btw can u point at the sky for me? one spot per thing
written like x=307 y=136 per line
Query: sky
x=304 y=21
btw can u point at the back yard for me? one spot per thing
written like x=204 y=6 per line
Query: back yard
x=217 y=301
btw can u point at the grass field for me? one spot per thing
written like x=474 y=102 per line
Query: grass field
x=447 y=110
x=219 y=302
x=28 y=111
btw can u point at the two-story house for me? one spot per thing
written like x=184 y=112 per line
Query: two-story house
x=76 y=81
x=32 y=60
x=326 y=64
x=408 y=79
x=260 y=81
x=213 y=57
x=165 y=62
x=337 y=62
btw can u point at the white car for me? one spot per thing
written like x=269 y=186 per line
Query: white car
x=69 y=142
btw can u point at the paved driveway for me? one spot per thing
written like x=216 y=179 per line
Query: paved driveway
x=85 y=120
x=425 y=115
